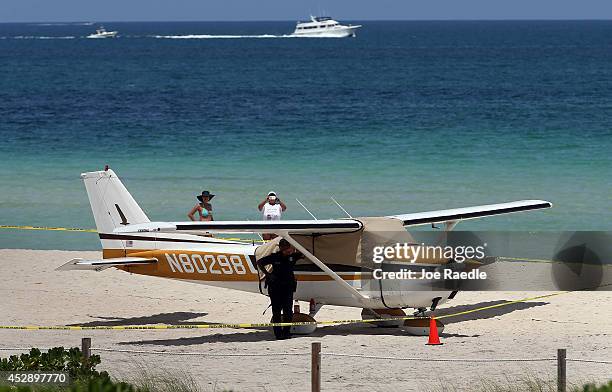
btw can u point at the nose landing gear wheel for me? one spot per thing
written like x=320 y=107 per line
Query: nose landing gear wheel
x=420 y=326
x=370 y=314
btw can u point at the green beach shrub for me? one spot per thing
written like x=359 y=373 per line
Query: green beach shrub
x=85 y=378
x=91 y=385
x=527 y=384
x=56 y=359
x=594 y=388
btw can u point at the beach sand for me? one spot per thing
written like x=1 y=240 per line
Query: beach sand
x=32 y=293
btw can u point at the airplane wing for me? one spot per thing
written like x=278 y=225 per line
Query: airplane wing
x=332 y=225
x=99 y=265
x=457 y=214
x=290 y=226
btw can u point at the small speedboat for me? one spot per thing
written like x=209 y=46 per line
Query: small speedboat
x=102 y=33
x=324 y=26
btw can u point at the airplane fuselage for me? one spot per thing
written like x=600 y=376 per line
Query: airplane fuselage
x=231 y=264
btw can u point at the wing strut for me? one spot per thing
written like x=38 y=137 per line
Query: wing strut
x=350 y=289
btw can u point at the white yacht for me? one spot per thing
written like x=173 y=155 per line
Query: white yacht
x=102 y=33
x=324 y=26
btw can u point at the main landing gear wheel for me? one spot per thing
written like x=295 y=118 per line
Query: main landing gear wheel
x=371 y=314
x=306 y=329
x=420 y=326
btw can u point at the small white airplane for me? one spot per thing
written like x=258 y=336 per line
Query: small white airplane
x=331 y=273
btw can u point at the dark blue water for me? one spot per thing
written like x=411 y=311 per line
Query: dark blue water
x=407 y=116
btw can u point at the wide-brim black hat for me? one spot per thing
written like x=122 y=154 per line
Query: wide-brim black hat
x=205 y=193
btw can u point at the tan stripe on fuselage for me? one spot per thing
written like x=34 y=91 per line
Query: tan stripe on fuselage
x=165 y=270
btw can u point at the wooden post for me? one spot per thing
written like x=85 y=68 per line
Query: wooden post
x=315 y=374
x=561 y=370
x=86 y=347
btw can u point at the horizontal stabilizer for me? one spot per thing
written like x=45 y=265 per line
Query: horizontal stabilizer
x=99 y=265
x=458 y=214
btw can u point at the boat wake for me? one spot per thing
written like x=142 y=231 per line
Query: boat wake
x=209 y=36
x=191 y=36
x=37 y=37
x=62 y=24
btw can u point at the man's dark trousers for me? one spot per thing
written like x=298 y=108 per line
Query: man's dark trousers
x=281 y=297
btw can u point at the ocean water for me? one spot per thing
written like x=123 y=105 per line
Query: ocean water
x=406 y=117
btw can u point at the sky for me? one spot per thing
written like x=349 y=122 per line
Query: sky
x=243 y=10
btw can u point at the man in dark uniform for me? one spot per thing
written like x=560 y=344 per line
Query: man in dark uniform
x=281 y=284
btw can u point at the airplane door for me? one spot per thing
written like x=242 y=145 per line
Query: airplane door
x=391 y=289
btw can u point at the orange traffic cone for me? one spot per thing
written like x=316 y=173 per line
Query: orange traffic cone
x=434 y=339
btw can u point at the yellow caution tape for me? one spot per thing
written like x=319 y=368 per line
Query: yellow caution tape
x=47 y=228
x=502 y=304
x=263 y=325
x=526 y=260
x=246 y=325
x=75 y=229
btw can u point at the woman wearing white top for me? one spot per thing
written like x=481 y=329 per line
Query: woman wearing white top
x=272 y=208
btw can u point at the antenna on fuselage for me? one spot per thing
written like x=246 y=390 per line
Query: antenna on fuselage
x=304 y=207
x=342 y=208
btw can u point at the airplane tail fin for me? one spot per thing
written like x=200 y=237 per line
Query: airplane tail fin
x=111 y=203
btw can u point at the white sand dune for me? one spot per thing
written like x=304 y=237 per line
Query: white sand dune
x=32 y=293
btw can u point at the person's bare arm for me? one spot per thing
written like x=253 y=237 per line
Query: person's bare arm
x=192 y=212
x=283 y=205
x=262 y=204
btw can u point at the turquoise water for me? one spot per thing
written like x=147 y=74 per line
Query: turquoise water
x=407 y=117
